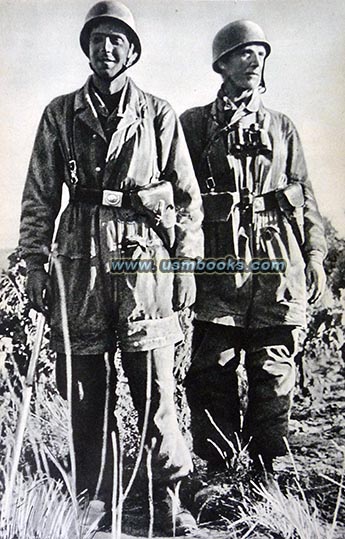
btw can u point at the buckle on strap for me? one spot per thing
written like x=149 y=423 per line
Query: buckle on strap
x=259 y=204
x=112 y=198
x=72 y=165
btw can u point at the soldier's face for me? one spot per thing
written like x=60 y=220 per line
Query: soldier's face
x=108 y=51
x=243 y=67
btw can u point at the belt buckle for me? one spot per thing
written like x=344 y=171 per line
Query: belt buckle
x=258 y=204
x=112 y=198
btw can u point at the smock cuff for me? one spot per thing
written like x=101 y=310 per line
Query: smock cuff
x=316 y=256
x=143 y=335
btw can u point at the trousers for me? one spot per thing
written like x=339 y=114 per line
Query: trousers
x=212 y=386
x=93 y=377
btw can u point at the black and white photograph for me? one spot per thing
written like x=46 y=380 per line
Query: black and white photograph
x=172 y=269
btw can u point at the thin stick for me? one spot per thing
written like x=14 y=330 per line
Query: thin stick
x=221 y=453
x=296 y=474
x=175 y=496
x=229 y=442
x=23 y=415
x=115 y=477
x=150 y=490
x=330 y=479
x=68 y=354
x=67 y=484
x=337 y=505
x=120 y=494
x=145 y=424
x=105 y=424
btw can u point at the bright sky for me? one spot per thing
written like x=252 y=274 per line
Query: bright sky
x=305 y=76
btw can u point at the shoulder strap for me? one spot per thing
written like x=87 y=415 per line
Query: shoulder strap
x=69 y=125
x=209 y=181
x=70 y=155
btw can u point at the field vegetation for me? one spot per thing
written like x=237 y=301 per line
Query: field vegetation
x=307 y=502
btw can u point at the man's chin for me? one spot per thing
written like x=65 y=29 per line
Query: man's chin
x=248 y=87
x=107 y=73
x=253 y=82
x=108 y=76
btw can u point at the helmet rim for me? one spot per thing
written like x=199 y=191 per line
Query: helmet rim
x=235 y=35
x=93 y=18
x=232 y=49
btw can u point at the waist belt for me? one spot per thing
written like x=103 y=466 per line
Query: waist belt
x=265 y=202
x=258 y=203
x=106 y=197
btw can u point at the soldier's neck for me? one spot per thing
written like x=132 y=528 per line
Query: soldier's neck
x=235 y=94
x=109 y=87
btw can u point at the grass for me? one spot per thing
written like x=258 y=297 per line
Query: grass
x=262 y=508
x=279 y=515
x=43 y=509
x=44 y=506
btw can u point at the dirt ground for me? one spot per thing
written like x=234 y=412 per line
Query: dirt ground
x=317 y=443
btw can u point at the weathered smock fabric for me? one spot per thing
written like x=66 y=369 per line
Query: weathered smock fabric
x=247 y=299
x=140 y=143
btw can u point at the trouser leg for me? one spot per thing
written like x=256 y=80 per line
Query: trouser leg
x=93 y=401
x=171 y=457
x=212 y=385
x=271 y=378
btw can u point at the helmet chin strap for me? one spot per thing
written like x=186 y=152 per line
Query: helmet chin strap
x=131 y=57
x=111 y=79
x=262 y=86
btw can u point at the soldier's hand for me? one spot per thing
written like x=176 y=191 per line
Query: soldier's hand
x=184 y=290
x=38 y=289
x=316 y=281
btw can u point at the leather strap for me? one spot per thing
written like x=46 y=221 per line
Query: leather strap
x=119 y=199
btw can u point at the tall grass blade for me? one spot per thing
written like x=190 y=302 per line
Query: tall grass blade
x=145 y=424
x=23 y=416
x=338 y=502
x=105 y=424
x=68 y=354
x=150 y=490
